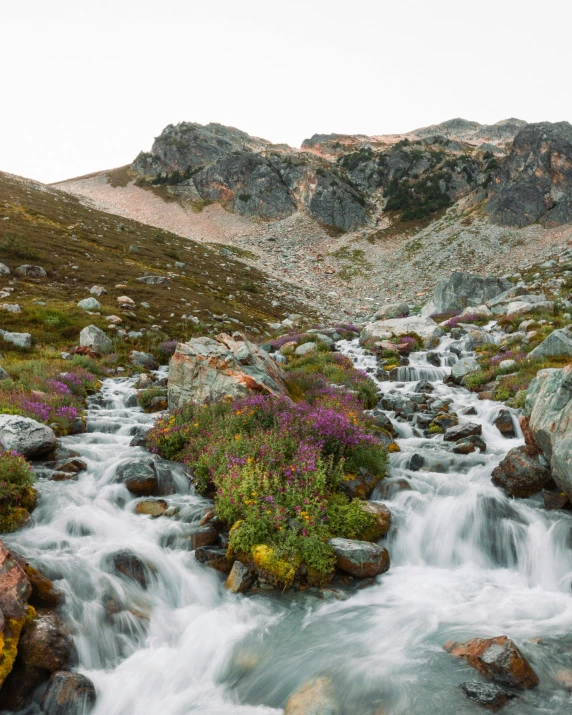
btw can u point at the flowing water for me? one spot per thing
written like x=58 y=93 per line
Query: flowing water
x=465 y=562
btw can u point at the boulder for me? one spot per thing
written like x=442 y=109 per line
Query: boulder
x=4 y=270
x=461 y=290
x=382 y=517
x=89 y=304
x=46 y=642
x=145 y=477
x=11 y=307
x=214 y=557
x=192 y=537
x=26 y=436
x=520 y=474
x=97 y=290
x=305 y=349
x=208 y=370
x=314 y=698
x=466 y=429
x=479 y=310
x=31 y=271
x=394 y=310
x=145 y=360
x=467 y=445
x=549 y=411
x=240 y=578
x=504 y=423
x=558 y=343
x=489 y=695
x=361 y=559
x=20 y=340
x=68 y=693
x=94 y=338
x=517 y=308
x=463 y=367
x=498 y=659
x=426 y=328
x=359 y=485
x=153 y=280
x=152 y=507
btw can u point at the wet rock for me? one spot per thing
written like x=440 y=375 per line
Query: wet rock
x=46 y=642
x=213 y=557
x=467 y=445
x=444 y=421
x=360 y=485
x=157 y=404
x=68 y=694
x=361 y=559
x=503 y=422
x=434 y=358
x=457 y=432
x=126 y=563
x=152 y=507
x=490 y=696
x=390 y=487
x=192 y=537
x=71 y=466
x=26 y=436
x=43 y=594
x=555 y=500
x=498 y=659
x=15 y=590
x=95 y=339
x=140 y=440
x=469 y=411
x=207 y=370
x=19 y=687
x=424 y=387
x=415 y=462
x=240 y=578
x=144 y=360
x=520 y=474
x=382 y=517
x=314 y=698
x=139 y=476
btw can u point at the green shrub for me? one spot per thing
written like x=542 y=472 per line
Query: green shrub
x=16 y=492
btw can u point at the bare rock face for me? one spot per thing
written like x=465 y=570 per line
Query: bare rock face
x=549 y=411
x=535 y=181
x=498 y=659
x=240 y=578
x=206 y=370
x=461 y=290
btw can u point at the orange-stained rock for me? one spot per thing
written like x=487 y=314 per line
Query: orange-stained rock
x=498 y=659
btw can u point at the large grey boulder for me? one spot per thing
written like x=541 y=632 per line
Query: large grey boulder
x=4 y=270
x=31 y=271
x=89 y=304
x=209 y=370
x=426 y=328
x=20 y=340
x=26 y=436
x=144 y=360
x=549 y=411
x=464 y=366
x=558 y=343
x=394 y=310
x=94 y=338
x=522 y=307
x=461 y=290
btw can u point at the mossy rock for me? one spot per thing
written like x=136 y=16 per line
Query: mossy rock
x=277 y=571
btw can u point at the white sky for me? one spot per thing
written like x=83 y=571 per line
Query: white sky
x=86 y=85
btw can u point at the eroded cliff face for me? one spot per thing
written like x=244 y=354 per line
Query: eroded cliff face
x=534 y=183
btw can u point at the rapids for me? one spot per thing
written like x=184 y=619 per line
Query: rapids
x=465 y=561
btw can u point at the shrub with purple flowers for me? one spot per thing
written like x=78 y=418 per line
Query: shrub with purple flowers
x=17 y=495
x=168 y=347
x=274 y=467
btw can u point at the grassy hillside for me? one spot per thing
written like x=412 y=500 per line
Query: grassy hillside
x=80 y=246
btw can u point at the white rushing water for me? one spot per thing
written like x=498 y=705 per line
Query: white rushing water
x=465 y=562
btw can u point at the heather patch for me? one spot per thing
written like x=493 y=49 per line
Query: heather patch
x=50 y=391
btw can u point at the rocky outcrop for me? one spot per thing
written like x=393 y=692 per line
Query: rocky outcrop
x=558 y=343
x=498 y=659
x=208 y=370
x=549 y=411
x=461 y=290
x=26 y=436
x=534 y=183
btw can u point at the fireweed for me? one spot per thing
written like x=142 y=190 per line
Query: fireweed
x=275 y=469
x=42 y=390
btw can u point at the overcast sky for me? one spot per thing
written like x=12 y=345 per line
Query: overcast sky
x=86 y=85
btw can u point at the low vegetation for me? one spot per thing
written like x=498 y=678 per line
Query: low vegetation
x=17 y=495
